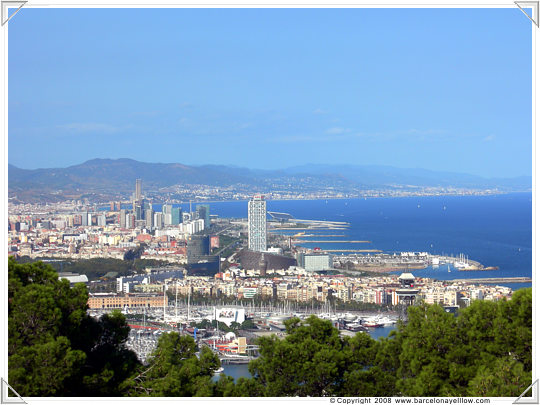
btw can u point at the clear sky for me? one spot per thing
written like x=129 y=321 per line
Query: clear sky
x=440 y=89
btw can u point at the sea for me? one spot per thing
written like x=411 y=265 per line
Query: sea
x=495 y=230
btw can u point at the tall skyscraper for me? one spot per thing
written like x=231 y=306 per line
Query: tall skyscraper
x=176 y=216
x=149 y=217
x=198 y=246
x=138 y=190
x=203 y=212
x=158 y=220
x=167 y=214
x=122 y=221
x=84 y=219
x=257 y=224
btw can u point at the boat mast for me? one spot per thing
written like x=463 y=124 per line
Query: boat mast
x=164 y=295
x=176 y=302
x=188 y=297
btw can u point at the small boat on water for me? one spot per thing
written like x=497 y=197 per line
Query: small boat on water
x=372 y=322
x=219 y=370
x=354 y=327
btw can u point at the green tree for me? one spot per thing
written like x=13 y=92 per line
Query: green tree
x=54 y=347
x=174 y=370
x=505 y=378
x=442 y=355
x=310 y=361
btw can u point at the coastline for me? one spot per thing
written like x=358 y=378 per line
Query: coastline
x=478 y=194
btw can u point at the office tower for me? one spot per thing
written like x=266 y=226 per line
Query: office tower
x=203 y=212
x=257 y=224
x=158 y=220
x=101 y=220
x=123 y=218
x=130 y=221
x=198 y=248
x=166 y=210
x=138 y=211
x=149 y=216
x=77 y=220
x=138 y=190
x=176 y=216
x=84 y=219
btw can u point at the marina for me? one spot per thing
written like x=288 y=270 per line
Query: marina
x=237 y=347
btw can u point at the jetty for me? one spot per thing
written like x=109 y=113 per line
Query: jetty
x=493 y=280
x=330 y=241
x=353 y=250
x=229 y=359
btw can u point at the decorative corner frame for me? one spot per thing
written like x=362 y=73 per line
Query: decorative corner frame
x=5 y=388
x=533 y=399
x=535 y=17
x=10 y=4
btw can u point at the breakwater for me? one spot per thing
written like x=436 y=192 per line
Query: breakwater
x=494 y=280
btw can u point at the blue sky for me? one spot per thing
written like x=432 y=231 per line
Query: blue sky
x=440 y=89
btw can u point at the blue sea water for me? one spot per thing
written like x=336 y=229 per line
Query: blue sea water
x=495 y=230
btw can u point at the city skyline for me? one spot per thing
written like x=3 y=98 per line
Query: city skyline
x=442 y=89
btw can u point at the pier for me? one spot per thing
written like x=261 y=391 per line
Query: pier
x=494 y=280
x=353 y=250
x=236 y=359
x=321 y=236
x=330 y=241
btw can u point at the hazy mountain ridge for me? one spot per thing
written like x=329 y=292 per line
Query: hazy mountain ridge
x=388 y=175
x=118 y=176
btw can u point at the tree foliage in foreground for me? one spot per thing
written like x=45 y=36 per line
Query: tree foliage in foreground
x=485 y=351
x=54 y=347
x=175 y=370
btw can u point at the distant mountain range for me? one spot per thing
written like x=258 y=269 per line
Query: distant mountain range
x=117 y=176
x=388 y=175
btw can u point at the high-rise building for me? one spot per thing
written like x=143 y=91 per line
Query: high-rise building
x=158 y=220
x=198 y=247
x=203 y=212
x=149 y=217
x=176 y=216
x=167 y=214
x=130 y=221
x=138 y=210
x=166 y=209
x=257 y=224
x=101 y=220
x=122 y=221
x=138 y=190
x=77 y=220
